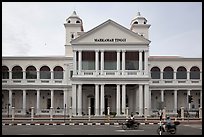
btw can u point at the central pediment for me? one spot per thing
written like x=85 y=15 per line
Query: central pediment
x=110 y=32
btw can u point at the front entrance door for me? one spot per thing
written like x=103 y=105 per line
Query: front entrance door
x=92 y=105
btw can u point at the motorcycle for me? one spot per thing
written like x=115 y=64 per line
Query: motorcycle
x=171 y=130
x=129 y=125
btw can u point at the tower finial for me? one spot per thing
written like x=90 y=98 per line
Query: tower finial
x=138 y=13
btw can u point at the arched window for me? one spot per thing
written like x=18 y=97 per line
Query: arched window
x=194 y=73
x=17 y=72
x=69 y=21
x=5 y=72
x=168 y=73
x=45 y=72
x=58 y=72
x=155 y=73
x=135 y=22
x=77 y=21
x=181 y=73
x=145 y=22
x=31 y=72
x=72 y=36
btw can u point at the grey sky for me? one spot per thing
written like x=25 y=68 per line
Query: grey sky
x=36 y=29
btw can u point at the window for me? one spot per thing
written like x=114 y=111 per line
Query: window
x=72 y=36
x=45 y=72
x=31 y=72
x=17 y=72
x=181 y=73
x=194 y=73
x=5 y=72
x=168 y=73
x=155 y=73
x=77 y=21
x=135 y=22
x=58 y=72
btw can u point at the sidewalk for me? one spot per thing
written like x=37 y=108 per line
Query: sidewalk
x=84 y=120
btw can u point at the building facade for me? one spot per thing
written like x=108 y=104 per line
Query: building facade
x=105 y=69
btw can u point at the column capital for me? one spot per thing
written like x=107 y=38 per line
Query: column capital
x=146 y=50
x=74 y=50
x=118 y=51
x=96 y=50
x=102 y=50
x=123 y=50
x=79 y=50
x=141 y=50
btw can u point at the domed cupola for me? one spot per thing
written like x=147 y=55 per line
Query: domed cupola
x=139 y=25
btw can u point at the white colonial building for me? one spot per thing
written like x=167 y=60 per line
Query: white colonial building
x=106 y=67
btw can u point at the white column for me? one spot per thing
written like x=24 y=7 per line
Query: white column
x=188 y=75
x=10 y=100
x=38 y=102
x=201 y=98
x=118 y=62
x=123 y=98
x=140 y=62
x=150 y=102
x=102 y=61
x=175 y=101
x=123 y=63
x=102 y=99
x=74 y=62
x=24 y=74
x=52 y=98
x=140 y=100
x=96 y=99
x=10 y=75
x=96 y=61
x=175 y=75
x=80 y=62
x=146 y=55
x=38 y=74
x=65 y=100
x=118 y=100
x=74 y=99
x=146 y=97
x=52 y=75
x=24 y=101
x=79 y=100
x=137 y=100
x=189 y=104
x=161 y=75
x=162 y=95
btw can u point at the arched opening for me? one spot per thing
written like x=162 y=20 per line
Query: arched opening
x=45 y=72
x=155 y=73
x=77 y=21
x=168 y=73
x=181 y=73
x=17 y=72
x=31 y=72
x=58 y=72
x=5 y=72
x=194 y=73
x=135 y=22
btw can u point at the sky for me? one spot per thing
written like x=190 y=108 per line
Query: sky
x=37 y=28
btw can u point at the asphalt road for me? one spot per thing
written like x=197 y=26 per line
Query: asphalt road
x=93 y=130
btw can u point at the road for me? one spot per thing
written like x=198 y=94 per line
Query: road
x=93 y=130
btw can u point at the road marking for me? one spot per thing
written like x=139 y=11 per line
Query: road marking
x=56 y=134
x=128 y=130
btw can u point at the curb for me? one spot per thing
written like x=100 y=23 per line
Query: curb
x=71 y=124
